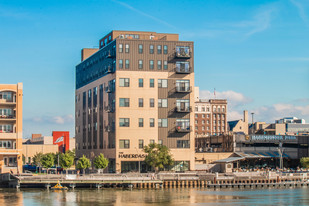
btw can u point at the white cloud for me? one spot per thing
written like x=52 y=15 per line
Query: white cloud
x=300 y=5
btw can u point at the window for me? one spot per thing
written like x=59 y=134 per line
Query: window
x=159 y=65
x=141 y=144
x=124 y=102
x=162 y=102
x=120 y=48
x=124 y=82
x=165 y=65
x=151 y=49
x=183 y=105
x=196 y=116
x=203 y=121
x=151 y=66
x=140 y=102
x=151 y=122
x=214 y=109
x=127 y=64
x=159 y=49
x=140 y=64
x=203 y=115
x=152 y=141
x=140 y=122
x=196 y=109
x=223 y=109
x=208 y=115
x=196 y=121
x=140 y=48
x=160 y=142
x=127 y=48
x=183 y=144
x=140 y=82
x=207 y=109
x=203 y=128
x=203 y=109
x=151 y=83
x=151 y=102
x=124 y=122
x=196 y=128
x=183 y=85
x=162 y=122
x=162 y=83
x=124 y=144
x=120 y=63
x=219 y=109
x=165 y=49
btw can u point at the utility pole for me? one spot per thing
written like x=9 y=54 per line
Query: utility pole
x=280 y=150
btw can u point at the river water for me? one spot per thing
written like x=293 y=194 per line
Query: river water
x=174 y=196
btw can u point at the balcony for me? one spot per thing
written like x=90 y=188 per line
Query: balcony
x=109 y=128
x=184 y=109
x=7 y=118
x=183 y=129
x=111 y=55
x=183 y=52
x=110 y=69
x=7 y=101
x=109 y=109
x=108 y=89
x=183 y=68
x=183 y=89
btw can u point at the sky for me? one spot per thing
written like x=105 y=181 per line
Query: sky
x=253 y=53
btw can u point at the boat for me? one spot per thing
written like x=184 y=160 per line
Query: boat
x=58 y=186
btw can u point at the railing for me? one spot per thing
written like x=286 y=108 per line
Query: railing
x=7 y=101
x=182 y=70
x=182 y=53
x=109 y=109
x=110 y=69
x=183 y=89
x=183 y=129
x=183 y=109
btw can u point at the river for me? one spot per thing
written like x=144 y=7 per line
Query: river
x=173 y=196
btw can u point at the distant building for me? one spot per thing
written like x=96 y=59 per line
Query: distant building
x=210 y=117
x=11 y=117
x=287 y=120
x=239 y=126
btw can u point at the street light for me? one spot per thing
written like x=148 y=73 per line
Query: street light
x=280 y=150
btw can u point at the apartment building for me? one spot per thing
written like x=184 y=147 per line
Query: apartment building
x=210 y=117
x=11 y=101
x=134 y=90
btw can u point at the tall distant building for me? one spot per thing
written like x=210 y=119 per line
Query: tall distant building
x=134 y=90
x=11 y=102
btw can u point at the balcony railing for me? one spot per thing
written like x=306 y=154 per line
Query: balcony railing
x=182 y=69
x=109 y=109
x=108 y=89
x=183 y=89
x=183 y=109
x=9 y=101
x=7 y=117
x=182 y=128
x=110 y=69
x=111 y=55
x=183 y=52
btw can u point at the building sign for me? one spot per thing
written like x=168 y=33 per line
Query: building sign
x=128 y=156
x=272 y=137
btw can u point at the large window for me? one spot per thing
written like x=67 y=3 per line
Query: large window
x=162 y=102
x=151 y=83
x=151 y=102
x=183 y=144
x=140 y=102
x=124 y=82
x=151 y=122
x=120 y=48
x=182 y=125
x=183 y=67
x=140 y=64
x=183 y=51
x=140 y=122
x=182 y=85
x=6 y=128
x=120 y=64
x=124 y=144
x=124 y=102
x=159 y=65
x=159 y=49
x=140 y=82
x=127 y=48
x=165 y=49
x=183 y=105
x=127 y=63
x=6 y=144
x=151 y=65
x=141 y=144
x=140 y=48
x=151 y=49
x=162 y=83
x=124 y=122
x=162 y=122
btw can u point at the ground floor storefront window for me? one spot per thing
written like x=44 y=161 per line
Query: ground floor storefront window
x=179 y=166
x=135 y=166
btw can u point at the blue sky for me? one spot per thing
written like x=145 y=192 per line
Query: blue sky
x=255 y=53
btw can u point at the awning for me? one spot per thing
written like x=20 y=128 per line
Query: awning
x=229 y=159
x=249 y=155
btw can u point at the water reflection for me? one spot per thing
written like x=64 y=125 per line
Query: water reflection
x=174 y=196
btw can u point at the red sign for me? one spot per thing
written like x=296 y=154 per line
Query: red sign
x=62 y=139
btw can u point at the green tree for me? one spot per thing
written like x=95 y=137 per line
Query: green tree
x=304 y=162
x=158 y=156
x=100 y=162
x=66 y=160
x=37 y=158
x=83 y=163
x=47 y=160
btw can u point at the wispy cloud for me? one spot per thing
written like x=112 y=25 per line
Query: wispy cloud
x=301 y=10
x=60 y=120
x=143 y=13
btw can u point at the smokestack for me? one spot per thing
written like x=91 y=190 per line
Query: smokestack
x=245 y=116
